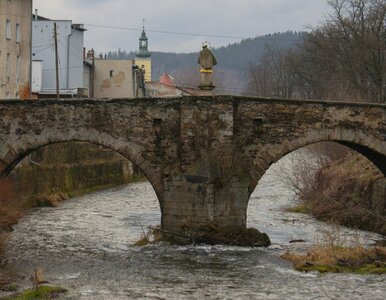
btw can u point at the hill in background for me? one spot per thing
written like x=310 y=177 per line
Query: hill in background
x=234 y=61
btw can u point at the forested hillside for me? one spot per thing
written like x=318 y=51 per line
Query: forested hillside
x=234 y=60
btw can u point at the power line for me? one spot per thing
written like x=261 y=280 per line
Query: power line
x=166 y=32
x=262 y=38
x=64 y=68
x=40 y=50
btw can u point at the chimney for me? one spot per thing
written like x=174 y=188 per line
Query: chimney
x=36 y=14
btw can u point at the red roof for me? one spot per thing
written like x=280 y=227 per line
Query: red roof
x=166 y=79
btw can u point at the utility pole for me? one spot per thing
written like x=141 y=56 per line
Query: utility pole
x=56 y=61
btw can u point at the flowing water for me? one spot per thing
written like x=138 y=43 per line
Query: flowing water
x=85 y=245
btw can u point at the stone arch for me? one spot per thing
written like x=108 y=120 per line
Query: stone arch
x=13 y=151
x=367 y=145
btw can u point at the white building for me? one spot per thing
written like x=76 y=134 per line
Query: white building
x=70 y=39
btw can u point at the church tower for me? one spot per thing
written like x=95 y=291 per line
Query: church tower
x=143 y=55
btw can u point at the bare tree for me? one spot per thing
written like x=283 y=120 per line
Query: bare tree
x=344 y=59
x=275 y=75
x=350 y=49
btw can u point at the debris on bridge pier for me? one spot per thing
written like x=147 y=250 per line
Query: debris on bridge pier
x=214 y=235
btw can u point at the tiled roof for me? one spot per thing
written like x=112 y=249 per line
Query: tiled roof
x=166 y=79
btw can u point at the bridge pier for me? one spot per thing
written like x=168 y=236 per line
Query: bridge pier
x=196 y=202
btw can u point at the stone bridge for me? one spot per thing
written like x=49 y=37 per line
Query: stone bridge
x=203 y=155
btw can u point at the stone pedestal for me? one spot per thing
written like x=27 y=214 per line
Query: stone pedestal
x=206 y=85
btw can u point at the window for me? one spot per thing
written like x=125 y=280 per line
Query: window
x=18 y=69
x=8 y=30
x=111 y=73
x=18 y=33
x=7 y=66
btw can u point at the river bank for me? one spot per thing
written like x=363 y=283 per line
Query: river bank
x=340 y=259
x=56 y=173
x=349 y=191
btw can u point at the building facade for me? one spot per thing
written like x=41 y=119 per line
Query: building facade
x=113 y=78
x=70 y=40
x=15 y=48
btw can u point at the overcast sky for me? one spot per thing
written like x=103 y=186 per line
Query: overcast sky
x=236 y=18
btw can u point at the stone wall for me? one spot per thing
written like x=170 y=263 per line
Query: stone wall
x=72 y=169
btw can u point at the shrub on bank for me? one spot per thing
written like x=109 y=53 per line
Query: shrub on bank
x=338 y=185
x=10 y=210
x=344 y=193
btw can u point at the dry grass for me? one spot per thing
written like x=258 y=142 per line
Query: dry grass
x=339 y=255
x=144 y=239
x=50 y=200
x=336 y=185
x=3 y=240
x=342 y=194
x=10 y=210
x=324 y=258
x=6 y=281
x=37 y=278
x=151 y=236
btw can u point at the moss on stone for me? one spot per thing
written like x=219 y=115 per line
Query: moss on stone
x=43 y=292
x=363 y=269
x=300 y=209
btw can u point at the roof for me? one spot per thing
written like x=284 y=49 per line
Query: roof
x=79 y=27
x=157 y=89
x=167 y=80
x=39 y=18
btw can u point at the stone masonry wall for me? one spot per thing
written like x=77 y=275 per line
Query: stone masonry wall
x=203 y=155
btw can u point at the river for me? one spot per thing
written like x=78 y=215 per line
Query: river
x=85 y=245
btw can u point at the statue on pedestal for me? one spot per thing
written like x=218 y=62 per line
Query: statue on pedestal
x=207 y=60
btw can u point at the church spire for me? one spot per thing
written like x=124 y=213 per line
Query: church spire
x=143 y=50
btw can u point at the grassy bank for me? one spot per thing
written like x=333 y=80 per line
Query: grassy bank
x=346 y=191
x=42 y=292
x=41 y=289
x=337 y=259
